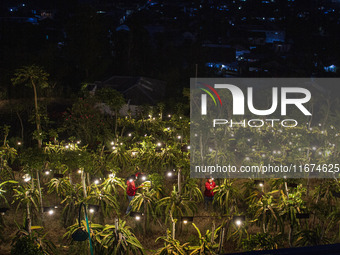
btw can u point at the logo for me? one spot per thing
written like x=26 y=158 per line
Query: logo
x=238 y=99
x=204 y=97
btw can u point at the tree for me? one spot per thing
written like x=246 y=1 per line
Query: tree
x=113 y=99
x=35 y=77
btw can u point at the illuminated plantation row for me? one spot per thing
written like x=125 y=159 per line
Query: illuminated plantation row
x=48 y=178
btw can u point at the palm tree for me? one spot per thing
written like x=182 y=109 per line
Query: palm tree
x=35 y=77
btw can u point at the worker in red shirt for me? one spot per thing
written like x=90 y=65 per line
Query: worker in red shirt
x=208 y=193
x=130 y=190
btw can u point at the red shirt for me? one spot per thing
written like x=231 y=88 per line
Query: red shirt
x=208 y=189
x=131 y=188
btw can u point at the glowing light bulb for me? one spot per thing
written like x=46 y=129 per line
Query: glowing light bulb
x=185 y=221
x=143 y=178
x=238 y=223
x=169 y=174
x=137 y=217
x=91 y=210
x=26 y=178
x=96 y=181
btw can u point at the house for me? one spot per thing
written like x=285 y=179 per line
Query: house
x=137 y=91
